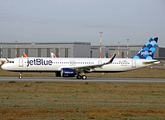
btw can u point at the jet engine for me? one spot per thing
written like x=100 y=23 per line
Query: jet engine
x=68 y=72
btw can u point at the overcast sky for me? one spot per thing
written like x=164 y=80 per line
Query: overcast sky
x=82 y=20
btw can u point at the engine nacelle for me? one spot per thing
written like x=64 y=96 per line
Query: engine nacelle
x=68 y=72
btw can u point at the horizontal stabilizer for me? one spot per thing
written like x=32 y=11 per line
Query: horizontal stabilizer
x=151 y=62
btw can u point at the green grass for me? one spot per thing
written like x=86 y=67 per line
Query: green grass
x=84 y=101
x=81 y=101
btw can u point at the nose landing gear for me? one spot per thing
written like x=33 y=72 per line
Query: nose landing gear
x=20 y=75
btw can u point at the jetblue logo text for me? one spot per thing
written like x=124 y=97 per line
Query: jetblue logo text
x=39 y=62
x=146 y=53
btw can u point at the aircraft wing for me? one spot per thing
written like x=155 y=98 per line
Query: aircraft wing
x=88 y=67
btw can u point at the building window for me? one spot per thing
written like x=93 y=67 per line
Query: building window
x=26 y=51
x=48 y=52
x=9 y=52
x=18 y=52
x=122 y=54
x=57 y=52
x=66 y=52
x=39 y=52
x=106 y=55
x=91 y=54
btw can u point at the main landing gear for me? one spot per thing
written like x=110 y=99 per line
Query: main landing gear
x=81 y=77
x=84 y=77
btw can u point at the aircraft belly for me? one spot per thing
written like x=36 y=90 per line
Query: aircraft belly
x=116 y=68
x=44 y=68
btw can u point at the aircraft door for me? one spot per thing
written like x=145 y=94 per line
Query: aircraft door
x=20 y=62
x=133 y=63
x=99 y=62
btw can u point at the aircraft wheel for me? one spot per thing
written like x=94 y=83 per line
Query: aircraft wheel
x=78 y=76
x=20 y=76
x=84 y=77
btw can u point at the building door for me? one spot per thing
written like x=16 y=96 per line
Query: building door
x=20 y=62
x=133 y=63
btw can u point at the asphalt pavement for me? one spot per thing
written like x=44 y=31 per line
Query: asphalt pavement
x=89 y=79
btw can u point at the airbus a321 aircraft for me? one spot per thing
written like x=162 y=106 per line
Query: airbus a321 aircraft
x=69 y=67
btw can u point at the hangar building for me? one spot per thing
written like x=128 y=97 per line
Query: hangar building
x=63 y=49
x=68 y=49
x=110 y=50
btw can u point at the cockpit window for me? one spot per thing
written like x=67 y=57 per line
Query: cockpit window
x=10 y=62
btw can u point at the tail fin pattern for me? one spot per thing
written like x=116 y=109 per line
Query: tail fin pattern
x=148 y=50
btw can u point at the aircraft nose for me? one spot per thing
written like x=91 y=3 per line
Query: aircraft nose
x=4 y=67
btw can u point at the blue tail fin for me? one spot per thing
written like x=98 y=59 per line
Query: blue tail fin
x=148 y=50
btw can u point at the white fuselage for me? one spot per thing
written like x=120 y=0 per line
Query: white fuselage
x=56 y=64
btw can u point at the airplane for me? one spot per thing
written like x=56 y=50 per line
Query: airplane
x=53 y=55
x=70 y=67
x=24 y=54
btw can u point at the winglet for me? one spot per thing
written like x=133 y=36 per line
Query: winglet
x=111 y=60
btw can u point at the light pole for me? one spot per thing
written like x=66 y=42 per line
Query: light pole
x=100 y=42
x=118 y=49
x=127 y=47
x=59 y=50
x=1 y=49
x=15 y=49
